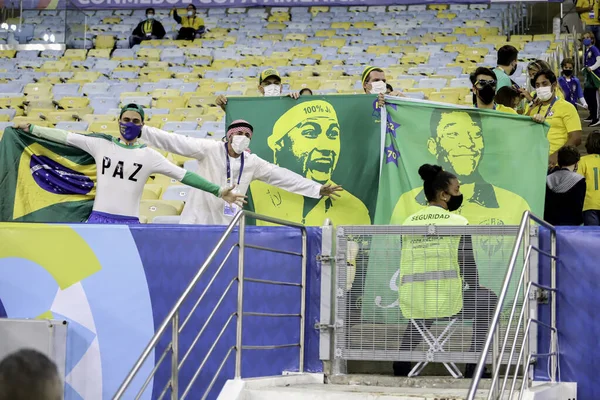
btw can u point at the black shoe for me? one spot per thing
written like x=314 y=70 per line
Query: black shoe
x=402 y=368
x=470 y=371
x=595 y=123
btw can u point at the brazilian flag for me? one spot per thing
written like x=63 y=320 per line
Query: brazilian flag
x=43 y=181
x=591 y=80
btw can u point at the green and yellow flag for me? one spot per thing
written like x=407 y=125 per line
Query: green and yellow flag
x=500 y=160
x=43 y=181
x=329 y=139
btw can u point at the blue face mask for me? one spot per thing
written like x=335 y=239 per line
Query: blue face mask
x=130 y=131
x=587 y=41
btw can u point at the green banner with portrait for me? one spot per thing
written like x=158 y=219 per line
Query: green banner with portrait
x=329 y=139
x=500 y=160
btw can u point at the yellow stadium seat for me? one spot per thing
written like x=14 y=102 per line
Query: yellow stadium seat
x=83 y=77
x=544 y=37
x=58 y=116
x=518 y=45
x=290 y=37
x=189 y=112
x=488 y=31
x=11 y=102
x=74 y=102
x=364 y=24
x=50 y=79
x=477 y=23
x=342 y=84
x=156 y=208
x=178 y=159
x=330 y=74
x=426 y=91
x=8 y=53
x=151 y=191
x=444 y=39
x=462 y=92
x=337 y=42
x=37 y=88
x=99 y=53
x=521 y=38
x=325 y=33
x=105 y=42
x=188 y=76
x=455 y=47
x=446 y=15
x=438 y=7
x=4 y=118
x=34 y=121
x=110 y=128
x=405 y=48
x=75 y=55
x=148 y=54
x=158 y=93
x=414 y=58
x=162 y=180
x=445 y=97
x=91 y=118
x=404 y=84
x=379 y=50
x=53 y=66
x=200 y=101
x=301 y=51
x=475 y=51
x=200 y=119
x=114 y=20
x=156 y=76
x=469 y=31
x=158 y=120
x=170 y=102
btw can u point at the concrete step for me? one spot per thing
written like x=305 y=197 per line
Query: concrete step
x=359 y=392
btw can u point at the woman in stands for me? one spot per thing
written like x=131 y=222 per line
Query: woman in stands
x=438 y=275
x=123 y=167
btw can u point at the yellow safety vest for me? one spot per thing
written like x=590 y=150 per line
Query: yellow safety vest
x=430 y=282
x=192 y=22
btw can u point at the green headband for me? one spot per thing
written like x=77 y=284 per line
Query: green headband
x=366 y=73
x=132 y=107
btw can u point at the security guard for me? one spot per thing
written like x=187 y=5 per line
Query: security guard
x=438 y=275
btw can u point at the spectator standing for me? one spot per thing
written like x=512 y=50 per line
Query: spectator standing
x=269 y=85
x=28 y=375
x=589 y=166
x=374 y=82
x=570 y=85
x=591 y=62
x=565 y=190
x=588 y=12
x=507 y=65
x=192 y=27
x=147 y=29
x=565 y=125
x=484 y=90
x=507 y=99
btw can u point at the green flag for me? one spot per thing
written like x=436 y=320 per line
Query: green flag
x=500 y=160
x=43 y=181
x=329 y=139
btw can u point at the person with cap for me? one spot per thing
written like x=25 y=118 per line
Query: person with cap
x=229 y=162
x=123 y=166
x=192 y=27
x=269 y=85
x=374 y=82
x=147 y=29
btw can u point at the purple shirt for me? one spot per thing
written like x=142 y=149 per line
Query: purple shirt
x=571 y=89
x=589 y=56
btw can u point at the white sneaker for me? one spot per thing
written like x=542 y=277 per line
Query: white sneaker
x=595 y=123
x=588 y=120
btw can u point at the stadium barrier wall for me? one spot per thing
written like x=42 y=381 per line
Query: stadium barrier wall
x=577 y=278
x=115 y=284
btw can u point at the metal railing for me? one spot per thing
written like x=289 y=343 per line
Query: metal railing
x=173 y=318
x=525 y=320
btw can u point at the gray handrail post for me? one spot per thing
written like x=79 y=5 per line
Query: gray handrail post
x=240 y=297
x=175 y=358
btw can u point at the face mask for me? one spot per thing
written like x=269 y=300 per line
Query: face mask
x=567 y=72
x=130 y=131
x=544 y=93
x=150 y=16
x=486 y=94
x=455 y=202
x=240 y=143
x=513 y=70
x=587 y=41
x=272 y=90
x=378 y=87
x=190 y=13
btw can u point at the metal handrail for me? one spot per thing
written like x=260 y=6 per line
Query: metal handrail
x=524 y=228
x=172 y=318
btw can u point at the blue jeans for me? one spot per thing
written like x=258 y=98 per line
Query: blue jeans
x=591 y=217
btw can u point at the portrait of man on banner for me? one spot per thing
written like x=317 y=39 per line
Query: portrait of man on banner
x=306 y=139
x=457 y=143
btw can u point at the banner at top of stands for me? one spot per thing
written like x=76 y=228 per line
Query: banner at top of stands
x=141 y=4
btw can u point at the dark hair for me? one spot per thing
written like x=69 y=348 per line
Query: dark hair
x=29 y=374
x=389 y=87
x=369 y=74
x=481 y=71
x=568 y=155
x=592 y=144
x=150 y=9
x=437 y=113
x=506 y=96
x=306 y=90
x=566 y=61
x=193 y=6
x=435 y=180
x=547 y=73
x=507 y=54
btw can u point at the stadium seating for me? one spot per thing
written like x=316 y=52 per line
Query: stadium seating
x=427 y=52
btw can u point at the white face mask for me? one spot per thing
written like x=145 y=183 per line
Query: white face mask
x=150 y=16
x=272 y=90
x=378 y=87
x=190 y=13
x=544 y=93
x=240 y=143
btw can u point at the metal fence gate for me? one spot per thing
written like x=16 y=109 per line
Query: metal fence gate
x=419 y=294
